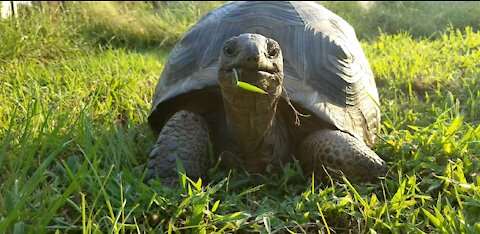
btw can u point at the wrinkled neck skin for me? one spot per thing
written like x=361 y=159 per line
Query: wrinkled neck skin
x=252 y=117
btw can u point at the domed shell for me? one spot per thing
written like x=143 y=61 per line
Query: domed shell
x=325 y=68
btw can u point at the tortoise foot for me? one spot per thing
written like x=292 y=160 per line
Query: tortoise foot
x=341 y=151
x=185 y=137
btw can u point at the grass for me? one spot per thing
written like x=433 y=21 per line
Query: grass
x=137 y=25
x=426 y=19
x=74 y=139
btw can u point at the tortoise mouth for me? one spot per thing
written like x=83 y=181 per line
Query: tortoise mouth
x=264 y=79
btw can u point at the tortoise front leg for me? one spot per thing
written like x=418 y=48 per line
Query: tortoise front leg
x=184 y=136
x=340 y=151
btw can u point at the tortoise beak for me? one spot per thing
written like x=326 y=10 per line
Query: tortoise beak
x=243 y=85
x=252 y=61
x=263 y=82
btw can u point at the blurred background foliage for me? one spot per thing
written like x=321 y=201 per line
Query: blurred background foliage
x=160 y=24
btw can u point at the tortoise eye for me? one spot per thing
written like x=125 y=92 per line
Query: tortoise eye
x=273 y=48
x=229 y=48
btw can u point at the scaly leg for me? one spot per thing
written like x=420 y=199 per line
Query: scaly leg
x=341 y=151
x=184 y=136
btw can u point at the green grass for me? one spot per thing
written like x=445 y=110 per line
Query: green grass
x=134 y=24
x=74 y=139
x=426 y=19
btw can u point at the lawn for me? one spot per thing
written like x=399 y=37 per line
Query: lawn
x=77 y=86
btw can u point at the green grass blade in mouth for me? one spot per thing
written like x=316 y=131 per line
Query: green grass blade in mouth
x=250 y=87
x=246 y=86
x=235 y=77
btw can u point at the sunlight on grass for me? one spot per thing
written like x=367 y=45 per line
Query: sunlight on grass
x=74 y=140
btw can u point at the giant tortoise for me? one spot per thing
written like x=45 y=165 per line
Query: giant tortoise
x=313 y=95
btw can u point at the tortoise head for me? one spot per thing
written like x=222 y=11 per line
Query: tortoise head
x=257 y=61
x=252 y=59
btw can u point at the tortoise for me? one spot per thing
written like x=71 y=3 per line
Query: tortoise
x=318 y=101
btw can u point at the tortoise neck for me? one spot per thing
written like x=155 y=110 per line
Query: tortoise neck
x=253 y=120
